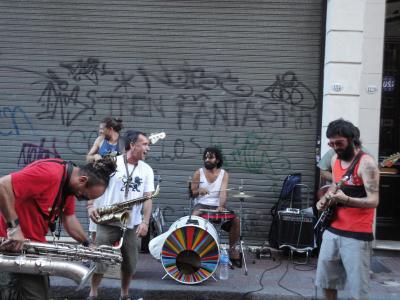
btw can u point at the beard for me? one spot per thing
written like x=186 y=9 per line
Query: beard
x=346 y=154
x=209 y=165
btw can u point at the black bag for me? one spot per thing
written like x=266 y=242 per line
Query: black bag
x=284 y=201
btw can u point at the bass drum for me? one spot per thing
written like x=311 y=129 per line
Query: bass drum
x=189 y=250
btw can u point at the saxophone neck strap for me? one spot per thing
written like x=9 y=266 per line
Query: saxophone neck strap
x=60 y=199
x=128 y=176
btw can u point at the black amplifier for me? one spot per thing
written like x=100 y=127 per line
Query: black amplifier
x=296 y=229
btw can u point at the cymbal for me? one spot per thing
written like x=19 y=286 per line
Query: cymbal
x=242 y=195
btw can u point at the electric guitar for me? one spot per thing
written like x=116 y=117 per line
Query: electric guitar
x=390 y=161
x=155 y=137
x=326 y=217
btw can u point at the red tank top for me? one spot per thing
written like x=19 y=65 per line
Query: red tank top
x=352 y=221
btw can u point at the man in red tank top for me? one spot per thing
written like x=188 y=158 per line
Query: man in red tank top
x=346 y=243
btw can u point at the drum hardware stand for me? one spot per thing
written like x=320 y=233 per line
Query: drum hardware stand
x=242 y=256
x=190 y=194
x=190 y=221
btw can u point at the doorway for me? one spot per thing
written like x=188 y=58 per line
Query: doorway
x=388 y=212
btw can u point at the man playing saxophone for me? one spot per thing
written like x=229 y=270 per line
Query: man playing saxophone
x=133 y=179
x=31 y=202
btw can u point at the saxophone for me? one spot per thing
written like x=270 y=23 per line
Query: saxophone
x=119 y=212
x=56 y=259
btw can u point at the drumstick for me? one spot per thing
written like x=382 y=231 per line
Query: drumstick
x=230 y=189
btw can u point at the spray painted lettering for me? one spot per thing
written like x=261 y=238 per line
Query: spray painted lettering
x=60 y=100
x=17 y=120
x=31 y=152
x=197 y=78
x=90 y=69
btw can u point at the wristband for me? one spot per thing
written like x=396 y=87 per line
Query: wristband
x=12 y=224
x=147 y=223
x=86 y=243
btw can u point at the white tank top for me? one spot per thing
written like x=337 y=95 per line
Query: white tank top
x=214 y=189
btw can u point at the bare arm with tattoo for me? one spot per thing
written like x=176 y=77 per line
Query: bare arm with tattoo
x=369 y=173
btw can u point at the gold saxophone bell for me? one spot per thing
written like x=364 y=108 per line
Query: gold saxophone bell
x=122 y=217
x=118 y=217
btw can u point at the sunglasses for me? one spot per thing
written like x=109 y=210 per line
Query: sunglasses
x=337 y=144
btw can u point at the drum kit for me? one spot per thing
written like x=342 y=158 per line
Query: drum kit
x=216 y=216
x=189 y=251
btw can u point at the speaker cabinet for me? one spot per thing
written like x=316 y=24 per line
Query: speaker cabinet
x=296 y=230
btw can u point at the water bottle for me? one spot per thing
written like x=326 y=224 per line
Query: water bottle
x=224 y=265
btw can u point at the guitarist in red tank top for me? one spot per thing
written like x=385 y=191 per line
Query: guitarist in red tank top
x=346 y=242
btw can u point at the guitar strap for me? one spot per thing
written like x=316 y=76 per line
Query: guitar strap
x=351 y=168
x=353 y=164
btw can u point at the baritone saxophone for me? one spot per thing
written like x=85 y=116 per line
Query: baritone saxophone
x=56 y=259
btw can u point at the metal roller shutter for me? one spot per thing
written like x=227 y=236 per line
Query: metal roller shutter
x=243 y=75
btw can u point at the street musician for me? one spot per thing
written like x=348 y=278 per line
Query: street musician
x=133 y=179
x=32 y=200
x=209 y=188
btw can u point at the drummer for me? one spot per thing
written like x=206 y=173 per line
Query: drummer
x=209 y=188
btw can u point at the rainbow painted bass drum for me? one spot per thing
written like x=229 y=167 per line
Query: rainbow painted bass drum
x=189 y=250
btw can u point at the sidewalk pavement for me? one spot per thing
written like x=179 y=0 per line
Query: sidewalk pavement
x=268 y=278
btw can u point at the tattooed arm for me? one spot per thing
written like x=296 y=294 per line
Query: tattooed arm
x=369 y=173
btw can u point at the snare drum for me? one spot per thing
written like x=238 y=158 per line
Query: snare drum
x=216 y=216
x=189 y=251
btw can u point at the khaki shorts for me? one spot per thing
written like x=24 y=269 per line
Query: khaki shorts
x=341 y=258
x=109 y=235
